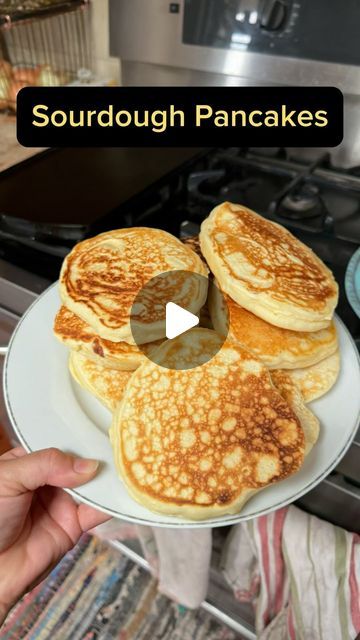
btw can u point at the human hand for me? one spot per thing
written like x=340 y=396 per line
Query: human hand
x=39 y=522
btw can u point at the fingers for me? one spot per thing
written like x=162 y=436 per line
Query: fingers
x=73 y=518
x=4 y=610
x=18 y=452
x=49 y=466
x=63 y=511
x=90 y=517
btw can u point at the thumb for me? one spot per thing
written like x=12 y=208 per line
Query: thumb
x=49 y=466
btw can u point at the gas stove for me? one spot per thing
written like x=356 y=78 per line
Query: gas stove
x=317 y=202
x=312 y=197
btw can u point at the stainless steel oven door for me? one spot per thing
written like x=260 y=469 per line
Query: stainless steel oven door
x=150 y=37
x=18 y=289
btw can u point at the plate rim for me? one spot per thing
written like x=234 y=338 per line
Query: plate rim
x=221 y=521
x=349 y=281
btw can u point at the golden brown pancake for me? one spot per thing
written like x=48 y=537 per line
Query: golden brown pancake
x=266 y=270
x=198 y=443
x=194 y=243
x=79 y=336
x=101 y=277
x=107 y=385
x=318 y=379
x=275 y=347
x=292 y=394
x=205 y=319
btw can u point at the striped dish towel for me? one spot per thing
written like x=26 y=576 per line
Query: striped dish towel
x=302 y=574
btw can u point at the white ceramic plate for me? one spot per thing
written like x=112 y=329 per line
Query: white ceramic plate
x=48 y=409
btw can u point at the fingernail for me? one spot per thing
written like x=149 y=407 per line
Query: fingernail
x=85 y=465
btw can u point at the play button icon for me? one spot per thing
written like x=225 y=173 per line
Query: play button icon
x=169 y=305
x=178 y=320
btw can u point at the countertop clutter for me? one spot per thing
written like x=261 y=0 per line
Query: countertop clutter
x=11 y=152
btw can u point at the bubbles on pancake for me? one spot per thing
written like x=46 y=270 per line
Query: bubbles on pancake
x=219 y=449
x=268 y=467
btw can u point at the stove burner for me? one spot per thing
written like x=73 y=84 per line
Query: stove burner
x=301 y=199
x=238 y=190
x=213 y=186
x=202 y=185
x=303 y=202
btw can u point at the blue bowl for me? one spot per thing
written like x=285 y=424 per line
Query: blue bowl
x=352 y=282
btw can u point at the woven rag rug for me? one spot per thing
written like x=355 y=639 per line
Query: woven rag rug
x=95 y=592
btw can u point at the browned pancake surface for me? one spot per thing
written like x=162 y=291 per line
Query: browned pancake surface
x=265 y=269
x=78 y=335
x=276 y=346
x=102 y=276
x=289 y=269
x=205 y=438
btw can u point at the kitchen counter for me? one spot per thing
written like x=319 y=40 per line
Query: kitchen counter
x=11 y=152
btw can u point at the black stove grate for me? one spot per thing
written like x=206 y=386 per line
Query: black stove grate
x=316 y=202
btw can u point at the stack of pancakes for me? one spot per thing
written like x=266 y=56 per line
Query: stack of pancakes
x=279 y=297
x=198 y=442
x=99 y=282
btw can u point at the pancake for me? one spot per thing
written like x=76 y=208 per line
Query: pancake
x=205 y=319
x=199 y=443
x=277 y=348
x=318 y=379
x=107 y=385
x=79 y=336
x=293 y=396
x=101 y=277
x=266 y=270
x=194 y=243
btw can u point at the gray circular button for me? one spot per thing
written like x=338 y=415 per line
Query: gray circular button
x=173 y=304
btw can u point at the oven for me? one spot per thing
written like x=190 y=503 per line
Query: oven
x=18 y=289
x=243 y=43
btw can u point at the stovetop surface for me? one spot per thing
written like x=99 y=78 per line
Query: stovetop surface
x=77 y=187
x=319 y=204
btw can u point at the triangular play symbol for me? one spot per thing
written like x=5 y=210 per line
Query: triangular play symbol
x=178 y=320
